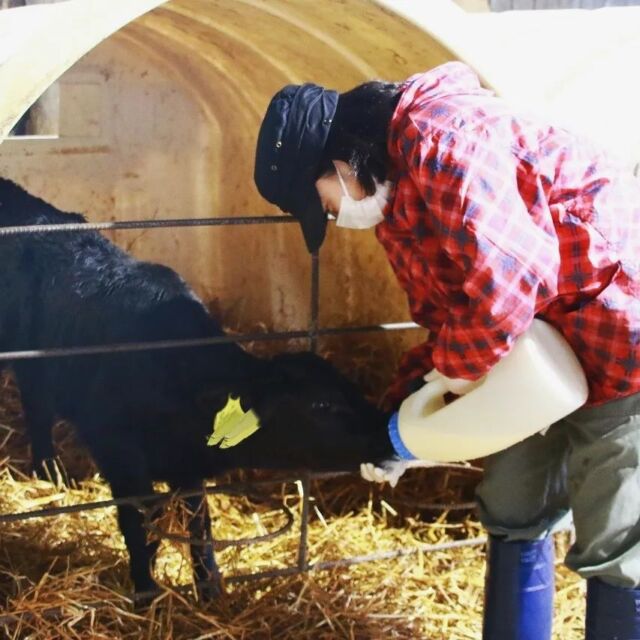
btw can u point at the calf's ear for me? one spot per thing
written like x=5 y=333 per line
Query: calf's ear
x=291 y=368
x=215 y=397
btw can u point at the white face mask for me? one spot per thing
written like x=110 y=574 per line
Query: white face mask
x=365 y=213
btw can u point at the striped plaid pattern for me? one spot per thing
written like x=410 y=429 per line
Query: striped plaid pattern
x=496 y=218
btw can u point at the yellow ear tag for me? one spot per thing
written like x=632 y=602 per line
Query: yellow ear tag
x=232 y=425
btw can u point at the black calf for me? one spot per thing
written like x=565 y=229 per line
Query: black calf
x=147 y=415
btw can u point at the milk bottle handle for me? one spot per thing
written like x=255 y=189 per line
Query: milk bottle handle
x=430 y=392
x=412 y=410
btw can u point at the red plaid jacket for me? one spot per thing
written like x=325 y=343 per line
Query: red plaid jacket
x=496 y=218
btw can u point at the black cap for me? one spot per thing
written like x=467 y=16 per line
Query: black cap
x=290 y=144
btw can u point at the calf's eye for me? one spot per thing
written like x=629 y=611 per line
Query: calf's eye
x=320 y=405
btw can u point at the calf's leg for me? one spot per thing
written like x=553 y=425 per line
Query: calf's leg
x=202 y=554
x=39 y=420
x=124 y=467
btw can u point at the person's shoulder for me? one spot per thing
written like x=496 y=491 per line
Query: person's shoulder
x=454 y=132
x=447 y=78
x=456 y=112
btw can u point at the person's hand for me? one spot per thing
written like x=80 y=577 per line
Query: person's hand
x=457 y=386
x=398 y=391
x=390 y=470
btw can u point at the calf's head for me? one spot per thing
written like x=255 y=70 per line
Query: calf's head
x=311 y=417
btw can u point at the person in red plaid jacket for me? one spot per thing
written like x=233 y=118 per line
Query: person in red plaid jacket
x=489 y=218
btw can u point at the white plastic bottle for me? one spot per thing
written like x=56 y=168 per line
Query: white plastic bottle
x=537 y=383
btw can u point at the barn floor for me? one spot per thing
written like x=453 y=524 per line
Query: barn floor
x=66 y=577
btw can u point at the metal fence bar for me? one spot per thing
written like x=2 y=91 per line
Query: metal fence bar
x=315 y=301
x=120 y=347
x=231 y=487
x=305 y=485
x=348 y=562
x=397 y=553
x=164 y=223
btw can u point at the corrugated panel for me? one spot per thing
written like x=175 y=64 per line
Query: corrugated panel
x=509 y=5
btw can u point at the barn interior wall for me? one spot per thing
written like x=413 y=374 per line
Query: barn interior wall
x=138 y=140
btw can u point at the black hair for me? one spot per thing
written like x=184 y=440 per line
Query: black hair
x=359 y=132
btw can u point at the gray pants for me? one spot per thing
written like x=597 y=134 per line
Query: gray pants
x=587 y=464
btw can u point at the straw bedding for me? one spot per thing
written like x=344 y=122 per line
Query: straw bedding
x=66 y=577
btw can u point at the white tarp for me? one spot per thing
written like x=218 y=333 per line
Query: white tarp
x=39 y=43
